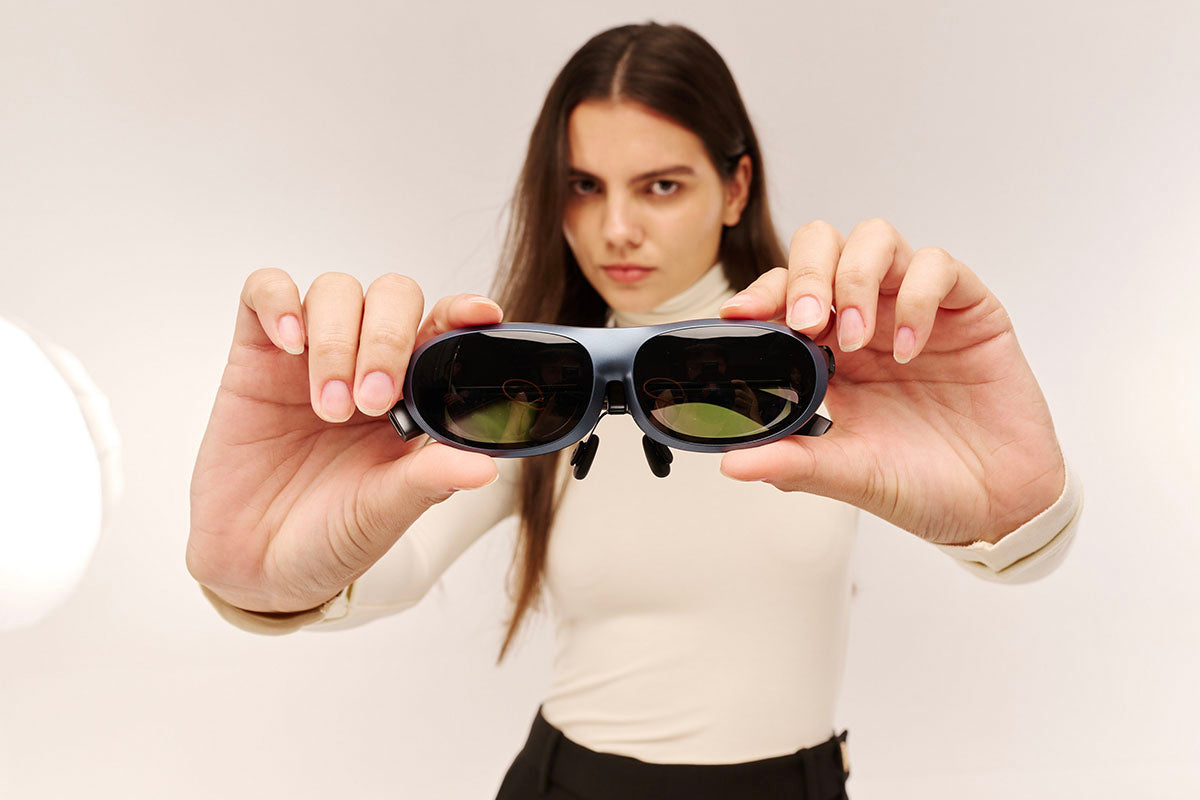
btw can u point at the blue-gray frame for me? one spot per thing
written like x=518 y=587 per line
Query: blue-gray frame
x=613 y=351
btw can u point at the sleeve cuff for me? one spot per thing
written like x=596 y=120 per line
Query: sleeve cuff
x=1031 y=551
x=272 y=624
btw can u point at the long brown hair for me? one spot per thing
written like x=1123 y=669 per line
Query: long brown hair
x=674 y=71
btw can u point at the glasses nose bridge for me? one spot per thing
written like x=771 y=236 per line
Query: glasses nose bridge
x=613 y=352
x=612 y=355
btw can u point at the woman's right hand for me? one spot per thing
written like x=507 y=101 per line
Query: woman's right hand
x=292 y=499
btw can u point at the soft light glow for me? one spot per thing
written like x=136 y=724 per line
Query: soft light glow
x=59 y=474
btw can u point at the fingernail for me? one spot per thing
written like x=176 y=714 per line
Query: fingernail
x=806 y=312
x=906 y=342
x=850 y=330
x=492 y=304
x=289 y=332
x=336 y=402
x=495 y=478
x=375 y=394
x=736 y=300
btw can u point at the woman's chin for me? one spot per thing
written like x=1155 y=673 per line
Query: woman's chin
x=627 y=305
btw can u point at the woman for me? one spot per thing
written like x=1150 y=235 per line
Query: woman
x=701 y=621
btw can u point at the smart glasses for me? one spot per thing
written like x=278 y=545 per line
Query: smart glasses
x=523 y=389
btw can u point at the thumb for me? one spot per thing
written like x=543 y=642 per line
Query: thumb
x=831 y=465
x=400 y=491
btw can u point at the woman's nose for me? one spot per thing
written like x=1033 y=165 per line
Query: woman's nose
x=621 y=226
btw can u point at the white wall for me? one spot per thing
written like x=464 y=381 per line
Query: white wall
x=152 y=155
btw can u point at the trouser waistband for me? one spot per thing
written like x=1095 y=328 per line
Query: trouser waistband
x=820 y=771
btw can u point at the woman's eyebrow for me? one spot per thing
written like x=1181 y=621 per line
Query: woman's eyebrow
x=679 y=169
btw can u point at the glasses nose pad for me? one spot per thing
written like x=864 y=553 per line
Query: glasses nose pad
x=585 y=453
x=658 y=456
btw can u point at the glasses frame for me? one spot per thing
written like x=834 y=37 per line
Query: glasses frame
x=613 y=352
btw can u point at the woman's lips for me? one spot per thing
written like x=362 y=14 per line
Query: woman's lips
x=627 y=274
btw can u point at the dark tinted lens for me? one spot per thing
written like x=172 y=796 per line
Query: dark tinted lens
x=503 y=389
x=723 y=385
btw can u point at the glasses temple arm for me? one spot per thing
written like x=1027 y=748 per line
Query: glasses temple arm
x=828 y=359
x=403 y=423
x=818 y=425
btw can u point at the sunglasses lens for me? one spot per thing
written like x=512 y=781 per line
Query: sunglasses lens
x=503 y=390
x=723 y=385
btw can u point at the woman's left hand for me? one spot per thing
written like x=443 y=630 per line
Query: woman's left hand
x=939 y=426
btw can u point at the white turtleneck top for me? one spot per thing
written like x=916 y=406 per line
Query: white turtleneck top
x=676 y=601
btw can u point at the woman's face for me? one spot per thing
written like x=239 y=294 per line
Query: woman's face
x=643 y=192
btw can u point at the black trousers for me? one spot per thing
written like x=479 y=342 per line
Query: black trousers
x=552 y=767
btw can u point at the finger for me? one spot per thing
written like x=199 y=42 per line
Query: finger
x=873 y=252
x=762 y=299
x=458 y=311
x=333 y=308
x=392 y=497
x=831 y=465
x=812 y=263
x=934 y=279
x=437 y=468
x=391 y=312
x=270 y=314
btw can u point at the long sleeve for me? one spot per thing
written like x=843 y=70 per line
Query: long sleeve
x=406 y=572
x=1033 y=550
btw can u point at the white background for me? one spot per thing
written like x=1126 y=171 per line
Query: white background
x=153 y=155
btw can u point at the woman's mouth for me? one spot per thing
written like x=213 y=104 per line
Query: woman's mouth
x=626 y=273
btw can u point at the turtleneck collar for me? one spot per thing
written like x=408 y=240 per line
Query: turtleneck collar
x=701 y=300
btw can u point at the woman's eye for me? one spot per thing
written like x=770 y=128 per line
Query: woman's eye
x=671 y=187
x=582 y=182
